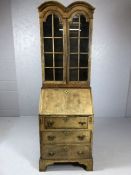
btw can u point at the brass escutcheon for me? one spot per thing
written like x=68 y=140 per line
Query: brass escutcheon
x=66 y=133
x=66 y=119
x=65 y=149
x=66 y=91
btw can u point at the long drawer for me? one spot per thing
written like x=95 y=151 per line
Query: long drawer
x=66 y=151
x=49 y=122
x=66 y=136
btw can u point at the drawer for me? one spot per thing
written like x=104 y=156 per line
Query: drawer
x=66 y=122
x=66 y=136
x=64 y=152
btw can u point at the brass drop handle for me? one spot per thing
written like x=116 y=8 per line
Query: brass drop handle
x=50 y=123
x=80 y=152
x=51 y=138
x=81 y=137
x=82 y=123
x=52 y=153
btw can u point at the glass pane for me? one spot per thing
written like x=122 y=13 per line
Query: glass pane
x=48 y=45
x=73 y=60
x=58 y=45
x=74 y=26
x=58 y=60
x=83 y=60
x=84 y=26
x=47 y=26
x=83 y=74
x=58 y=28
x=73 y=74
x=73 y=33
x=48 y=60
x=75 y=19
x=73 y=45
x=83 y=45
x=58 y=74
x=48 y=74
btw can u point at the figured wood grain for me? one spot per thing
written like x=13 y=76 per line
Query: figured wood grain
x=66 y=122
x=66 y=136
x=65 y=101
x=66 y=151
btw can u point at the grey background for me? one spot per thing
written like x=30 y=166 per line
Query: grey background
x=20 y=66
x=9 y=105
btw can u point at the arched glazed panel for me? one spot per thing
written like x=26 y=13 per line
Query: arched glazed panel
x=78 y=47
x=53 y=48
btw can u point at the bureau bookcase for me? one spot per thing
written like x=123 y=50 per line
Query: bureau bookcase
x=65 y=107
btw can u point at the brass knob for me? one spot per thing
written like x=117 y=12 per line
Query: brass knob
x=81 y=137
x=52 y=153
x=51 y=138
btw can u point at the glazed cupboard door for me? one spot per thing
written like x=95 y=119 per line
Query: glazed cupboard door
x=65 y=43
x=78 y=49
x=52 y=47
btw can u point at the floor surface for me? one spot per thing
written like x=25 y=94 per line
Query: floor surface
x=19 y=148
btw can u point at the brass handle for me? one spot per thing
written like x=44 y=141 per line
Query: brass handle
x=81 y=137
x=51 y=153
x=50 y=123
x=82 y=123
x=80 y=152
x=51 y=138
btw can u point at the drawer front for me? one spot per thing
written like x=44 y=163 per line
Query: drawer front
x=66 y=122
x=66 y=136
x=66 y=152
